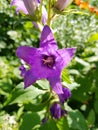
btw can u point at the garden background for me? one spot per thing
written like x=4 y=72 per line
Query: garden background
x=78 y=30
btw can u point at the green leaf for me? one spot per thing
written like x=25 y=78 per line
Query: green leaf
x=49 y=125
x=96 y=89
x=76 y=120
x=28 y=25
x=82 y=62
x=91 y=118
x=42 y=84
x=96 y=106
x=66 y=76
x=82 y=91
x=39 y=104
x=21 y=95
x=29 y=121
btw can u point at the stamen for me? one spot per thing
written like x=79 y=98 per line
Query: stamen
x=49 y=61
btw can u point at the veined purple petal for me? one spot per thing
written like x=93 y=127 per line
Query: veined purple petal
x=66 y=94
x=19 y=6
x=55 y=83
x=26 y=53
x=65 y=56
x=57 y=87
x=47 y=38
x=29 y=78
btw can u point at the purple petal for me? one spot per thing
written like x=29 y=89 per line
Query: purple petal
x=66 y=94
x=65 y=56
x=55 y=83
x=19 y=6
x=29 y=78
x=47 y=38
x=26 y=53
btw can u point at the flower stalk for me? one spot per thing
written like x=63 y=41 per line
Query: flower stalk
x=49 y=13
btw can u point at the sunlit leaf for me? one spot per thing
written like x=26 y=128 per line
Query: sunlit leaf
x=62 y=124
x=21 y=95
x=76 y=120
x=93 y=37
x=39 y=104
x=66 y=76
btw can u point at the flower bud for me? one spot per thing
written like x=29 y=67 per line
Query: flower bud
x=31 y=6
x=61 y=4
x=57 y=111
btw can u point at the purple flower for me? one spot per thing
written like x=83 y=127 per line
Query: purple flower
x=46 y=61
x=61 y=4
x=56 y=111
x=29 y=7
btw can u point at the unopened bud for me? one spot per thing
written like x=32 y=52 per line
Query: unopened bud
x=61 y=4
x=31 y=6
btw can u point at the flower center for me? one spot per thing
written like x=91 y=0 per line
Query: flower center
x=49 y=61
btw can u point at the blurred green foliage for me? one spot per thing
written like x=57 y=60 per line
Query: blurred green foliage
x=19 y=108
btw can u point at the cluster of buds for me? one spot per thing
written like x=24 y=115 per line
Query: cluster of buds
x=32 y=9
x=86 y=5
x=36 y=11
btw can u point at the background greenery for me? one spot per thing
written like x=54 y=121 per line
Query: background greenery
x=24 y=109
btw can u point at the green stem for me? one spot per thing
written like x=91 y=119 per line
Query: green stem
x=49 y=12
